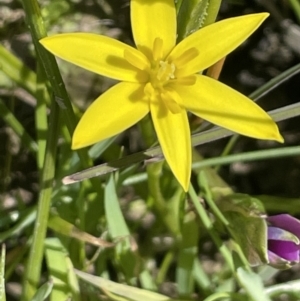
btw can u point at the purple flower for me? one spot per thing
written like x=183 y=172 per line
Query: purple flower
x=283 y=240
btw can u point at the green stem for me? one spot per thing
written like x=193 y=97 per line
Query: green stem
x=33 y=269
x=209 y=199
x=41 y=122
x=210 y=229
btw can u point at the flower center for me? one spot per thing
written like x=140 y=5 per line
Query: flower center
x=162 y=73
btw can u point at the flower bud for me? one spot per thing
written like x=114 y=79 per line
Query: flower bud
x=283 y=240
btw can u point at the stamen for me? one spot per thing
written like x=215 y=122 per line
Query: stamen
x=136 y=59
x=186 y=57
x=170 y=98
x=149 y=91
x=186 y=81
x=157 y=49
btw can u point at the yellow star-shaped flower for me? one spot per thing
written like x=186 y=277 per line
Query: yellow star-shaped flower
x=161 y=77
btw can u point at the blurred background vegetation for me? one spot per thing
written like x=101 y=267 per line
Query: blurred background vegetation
x=153 y=241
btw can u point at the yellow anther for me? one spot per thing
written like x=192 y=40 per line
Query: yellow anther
x=150 y=91
x=186 y=81
x=136 y=59
x=170 y=102
x=186 y=57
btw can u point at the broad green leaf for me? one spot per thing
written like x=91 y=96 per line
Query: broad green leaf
x=252 y=284
x=244 y=204
x=247 y=226
x=251 y=235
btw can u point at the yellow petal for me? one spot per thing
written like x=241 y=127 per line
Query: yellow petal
x=174 y=137
x=96 y=53
x=221 y=105
x=217 y=40
x=113 y=112
x=153 y=19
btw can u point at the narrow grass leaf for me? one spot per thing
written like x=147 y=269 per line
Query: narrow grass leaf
x=274 y=153
x=187 y=255
x=41 y=120
x=7 y=115
x=20 y=226
x=60 y=271
x=287 y=288
x=118 y=229
x=43 y=292
x=201 y=278
x=2 y=274
x=17 y=71
x=129 y=292
x=63 y=227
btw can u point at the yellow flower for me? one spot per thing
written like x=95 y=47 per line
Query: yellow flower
x=161 y=77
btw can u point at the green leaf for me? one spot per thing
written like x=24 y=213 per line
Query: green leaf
x=250 y=233
x=252 y=284
x=63 y=227
x=244 y=204
x=247 y=226
x=17 y=71
x=26 y=220
x=290 y=288
x=187 y=255
x=128 y=292
x=2 y=274
x=190 y=17
x=8 y=116
x=118 y=229
x=61 y=272
x=43 y=292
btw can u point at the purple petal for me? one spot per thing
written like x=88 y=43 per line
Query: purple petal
x=278 y=262
x=285 y=249
x=275 y=233
x=286 y=222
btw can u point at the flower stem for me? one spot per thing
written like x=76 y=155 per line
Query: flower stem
x=210 y=228
x=33 y=269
